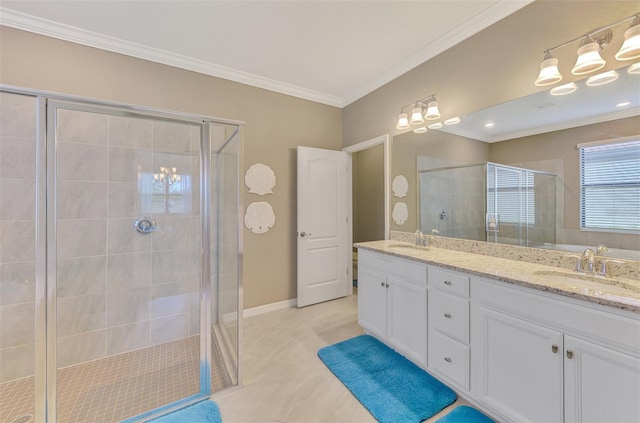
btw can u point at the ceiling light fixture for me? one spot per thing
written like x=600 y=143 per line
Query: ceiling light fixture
x=589 y=58
x=564 y=89
x=602 y=78
x=427 y=108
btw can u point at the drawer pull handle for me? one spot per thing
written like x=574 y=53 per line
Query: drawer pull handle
x=447 y=359
x=447 y=282
x=387 y=285
x=569 y=354
x=382 y=284
x=554 y=349
x=447 y=315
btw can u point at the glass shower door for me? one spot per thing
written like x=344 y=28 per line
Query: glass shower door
x=126 y=261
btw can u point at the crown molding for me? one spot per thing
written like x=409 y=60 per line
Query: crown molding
x=482 y=20
x=25 y=22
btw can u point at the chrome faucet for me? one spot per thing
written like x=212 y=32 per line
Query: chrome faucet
x=590 y=258
x=420 y=238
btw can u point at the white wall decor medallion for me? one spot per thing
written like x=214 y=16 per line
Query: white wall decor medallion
x=259 y=217
x=400 y=213
x=400 y=186
x=260 y=179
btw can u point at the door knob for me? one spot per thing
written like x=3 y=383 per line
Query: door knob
x=303 y=234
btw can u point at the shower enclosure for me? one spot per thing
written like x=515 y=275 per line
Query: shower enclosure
x=120 y=259
x=489 y=202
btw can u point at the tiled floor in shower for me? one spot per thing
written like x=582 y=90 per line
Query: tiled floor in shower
x=120 y=386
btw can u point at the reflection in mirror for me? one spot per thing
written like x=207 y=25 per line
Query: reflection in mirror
x=544 y=148
x=489 y=202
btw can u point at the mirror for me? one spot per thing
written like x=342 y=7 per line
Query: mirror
x=537 y=132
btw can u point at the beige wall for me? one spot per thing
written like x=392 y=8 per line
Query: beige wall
x=497 y=64
x=275 y=125
x=368 y=194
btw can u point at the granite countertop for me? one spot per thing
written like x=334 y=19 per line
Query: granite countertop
x=620 y=293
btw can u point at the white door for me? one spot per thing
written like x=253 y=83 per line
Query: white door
x=323 y=267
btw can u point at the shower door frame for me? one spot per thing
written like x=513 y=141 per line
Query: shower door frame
x=45 y=370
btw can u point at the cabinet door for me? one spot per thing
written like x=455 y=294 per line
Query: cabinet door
x=372 y=302
x=407 y=324
x=518 y=367
x=601 y=385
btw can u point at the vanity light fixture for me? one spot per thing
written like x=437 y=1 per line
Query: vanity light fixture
x=427 y=108
x=589 y=59
x=591 y=44
x=420 y=130
x=436 y=125
x=634 y=69
x=403 y=121
x=452 y=121
x=631 y=47
x=602 y=78
x=416 y=116
x=549 y=73
x=564 y=89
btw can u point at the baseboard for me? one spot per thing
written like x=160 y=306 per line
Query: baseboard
x=254 y=311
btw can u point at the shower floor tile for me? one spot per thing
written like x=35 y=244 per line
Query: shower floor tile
x=120 y=386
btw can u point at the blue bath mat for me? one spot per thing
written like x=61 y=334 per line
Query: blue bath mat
x=391 y=387
x=464 y=414
x=202 y=412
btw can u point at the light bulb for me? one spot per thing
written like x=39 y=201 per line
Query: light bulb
x=403 y=121
x=416 y=116
x=631 y=47
x=589 y=59
x=549 y=73
x=432 y=111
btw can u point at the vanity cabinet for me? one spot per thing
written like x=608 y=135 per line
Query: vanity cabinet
x=521 y=354
x=539 y=358
x=392 y=302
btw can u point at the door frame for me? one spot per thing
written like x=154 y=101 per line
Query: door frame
x=385 y=141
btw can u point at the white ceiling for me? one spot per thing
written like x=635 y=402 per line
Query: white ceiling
x=333 y=52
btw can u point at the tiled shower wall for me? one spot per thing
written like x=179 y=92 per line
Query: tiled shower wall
x=460 y=193
x=17 y=235
x=120 y=290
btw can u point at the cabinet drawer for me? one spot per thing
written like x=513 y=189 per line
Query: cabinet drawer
x=449 y=315
x=449 y=281
x=407 y=270
x=450 y=358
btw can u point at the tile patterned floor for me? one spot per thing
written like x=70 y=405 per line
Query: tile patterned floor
x=284 y=380
x=120 y=386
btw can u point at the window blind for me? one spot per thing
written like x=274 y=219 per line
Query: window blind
x=511 y=194
x=610 y=186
